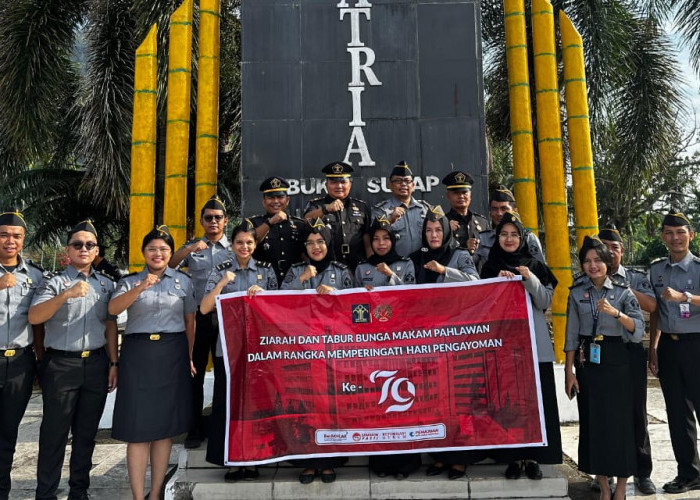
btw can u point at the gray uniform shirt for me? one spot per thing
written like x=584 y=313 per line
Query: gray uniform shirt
x=161 y=308
x=637 y=280
x=409 y=228
x=257 y=273
x=541 y=298
x=200 y=264
x=15 y=330
x=459 y=268
x=684 y=276
x=79 y=324
x=581 y=306
x=336 y=275
x=487 y=239
x=403 y=273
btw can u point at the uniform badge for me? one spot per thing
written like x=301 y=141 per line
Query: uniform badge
x=259 y=277
x=478 y=226
x=332 y=278
x=368 y=272
x=586 y=295
x=612 y=297
x=177 y=286
x=266 y=246
x=29 y=281
x=398 y=268
x=102 y=283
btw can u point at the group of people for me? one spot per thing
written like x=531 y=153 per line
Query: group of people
x=62 y=329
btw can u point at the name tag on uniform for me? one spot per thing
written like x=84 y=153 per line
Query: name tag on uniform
x=595 y=353
x=684 y=310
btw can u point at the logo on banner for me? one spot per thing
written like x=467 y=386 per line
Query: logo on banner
x=392 y=387
x=360 y=313
x=382 y=312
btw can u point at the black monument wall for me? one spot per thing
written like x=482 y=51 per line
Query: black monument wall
x=311 y=92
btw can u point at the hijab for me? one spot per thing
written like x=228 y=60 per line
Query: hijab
x=382 y=223
x=318 y=227
x=442 y=254
x=500 y=260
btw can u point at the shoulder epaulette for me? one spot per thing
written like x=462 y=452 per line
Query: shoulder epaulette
x=300 y=264
x=377 y=205
x=487 y=231
x=34 y=265
x=405 y=259
x=629 y=270
x=262 y=263
x=474 y=214
x=340 y=264
x=131 y=274
x=578 y=281
x=696 y=258
x=185 y=273
x=224 y=265
x=660 y=259
x=257 y=216
x=620 y=282
x=295 y=219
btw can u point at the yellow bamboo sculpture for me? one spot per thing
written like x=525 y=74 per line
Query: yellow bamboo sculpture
x=521 y=113
x=207 y=106
x=143 y=147
x=580 y=150
x=178 y=122
x=549 y=146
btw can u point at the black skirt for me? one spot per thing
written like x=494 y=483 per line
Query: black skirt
x=552 y=453
x=217 y=420
x=606 y=412
x=154 y=389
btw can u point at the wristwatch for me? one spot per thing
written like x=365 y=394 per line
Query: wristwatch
x=688 y=297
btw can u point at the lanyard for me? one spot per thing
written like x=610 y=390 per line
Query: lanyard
x=594 y=310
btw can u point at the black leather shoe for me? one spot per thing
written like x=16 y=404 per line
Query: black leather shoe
x=513 y=470
x=681 y=485
x=435 y=470
x=645 y=485
x=307 y=477
x=251 y=474
x=193 y=440
x=456 y=473
x=533 y=471
x=328 y=477
x=234 y=475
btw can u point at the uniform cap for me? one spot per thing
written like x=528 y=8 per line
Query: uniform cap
x=502 y=194
x=214 y=203
x=274 y=185
x=458 y=181
x=610 y=233
x=675 y=220
x=337 y=169
x=401 y=169
x=85 y=225
x=12 y=218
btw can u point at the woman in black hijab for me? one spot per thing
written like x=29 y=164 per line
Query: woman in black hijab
x=510 y=256
x=441 y=260
x=385 y=267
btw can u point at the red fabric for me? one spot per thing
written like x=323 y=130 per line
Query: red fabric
x=448 y=390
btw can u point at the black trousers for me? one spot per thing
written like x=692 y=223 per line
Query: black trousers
x=679 y=374
x=641 y=429
x=74 y=395
x=204 y=343
x=16 y=378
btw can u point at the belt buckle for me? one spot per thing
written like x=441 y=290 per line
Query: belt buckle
x=10 y=353
x=85 y=354
x=674 y=337
x=598 y=338
x=345 y=249
x=154 y=336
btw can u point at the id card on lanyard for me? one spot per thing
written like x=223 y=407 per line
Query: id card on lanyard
x=595 y=350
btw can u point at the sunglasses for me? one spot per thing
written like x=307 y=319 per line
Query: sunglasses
x=210 y=218
x=78 y=245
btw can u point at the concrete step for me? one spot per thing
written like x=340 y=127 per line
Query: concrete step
x=279 y=482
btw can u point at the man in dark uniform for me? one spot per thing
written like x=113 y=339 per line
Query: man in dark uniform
x=278 y=234
x=501 y=201
x=80 y=364
x=466 y=225
x=674 y=347
x=349 y=218
x=200 y=257
x=404 y=212
x=18 y=281
x=642 y=290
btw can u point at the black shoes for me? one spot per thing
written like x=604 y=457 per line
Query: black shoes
x=645 y=485
x=307 y=477
x=513 y=470
x=454 y=473
x=240 y=474
x=533 y=471
x=328 y=477
x=435 y=470
x=681 y=485
x=193 y=439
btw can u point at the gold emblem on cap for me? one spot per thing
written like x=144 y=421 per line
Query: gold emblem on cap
x=437 y=210
x=383 y=218
x=318 y=224
x=460 y=177
x=275 y=183
x=337 y=168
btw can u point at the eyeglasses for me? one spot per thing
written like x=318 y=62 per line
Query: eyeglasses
x=158 y=249
x=78 y=245
x=315 y=243
x=210 y=218
x=399 y=182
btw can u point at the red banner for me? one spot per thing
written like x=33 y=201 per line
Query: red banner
x=428 y=368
